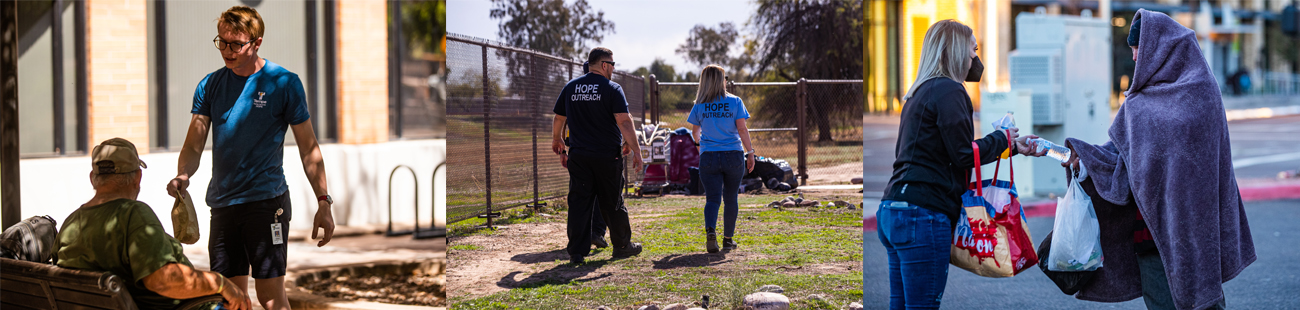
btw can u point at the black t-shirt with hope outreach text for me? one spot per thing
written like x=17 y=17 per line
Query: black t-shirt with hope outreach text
x=589 y=102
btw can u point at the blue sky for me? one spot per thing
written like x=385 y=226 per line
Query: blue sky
x=643 y=29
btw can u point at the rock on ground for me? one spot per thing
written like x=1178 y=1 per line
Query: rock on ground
x=767 y=301
x=675 y=307
x=855 y=306
x=771 y=289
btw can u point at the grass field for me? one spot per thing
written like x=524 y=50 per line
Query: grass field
x=815 y=250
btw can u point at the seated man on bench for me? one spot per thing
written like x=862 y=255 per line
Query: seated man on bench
x=114 y=232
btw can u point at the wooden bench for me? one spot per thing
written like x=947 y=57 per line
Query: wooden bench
x=28 y=285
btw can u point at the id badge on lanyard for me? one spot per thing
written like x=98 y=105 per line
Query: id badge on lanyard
x=276 y=236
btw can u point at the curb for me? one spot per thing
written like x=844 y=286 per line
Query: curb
x=1263 y=192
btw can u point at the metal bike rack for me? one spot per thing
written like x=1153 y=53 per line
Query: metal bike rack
x=433 y=231
x=390 y=231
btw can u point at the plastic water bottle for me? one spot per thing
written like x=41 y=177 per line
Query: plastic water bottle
x=1006 y=122
x=1059 y=152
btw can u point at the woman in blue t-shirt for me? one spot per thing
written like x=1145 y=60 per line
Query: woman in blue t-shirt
x=719 y=128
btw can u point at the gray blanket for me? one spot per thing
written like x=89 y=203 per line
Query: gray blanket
x=1169 y=155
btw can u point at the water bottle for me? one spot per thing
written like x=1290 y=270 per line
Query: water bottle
x=1059 y=152
x=1006 y=122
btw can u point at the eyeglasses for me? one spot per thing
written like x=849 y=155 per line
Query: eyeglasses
x=608 y=62
x=221 y=45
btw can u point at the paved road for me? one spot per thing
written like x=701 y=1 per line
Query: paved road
x=1263 y=147
x=1260 y=148
x=1270 y=283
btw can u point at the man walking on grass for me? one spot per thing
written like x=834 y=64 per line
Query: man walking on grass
x=596 y=112
x=248 y=105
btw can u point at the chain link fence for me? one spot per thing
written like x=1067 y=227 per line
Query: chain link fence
x=499 y=101
x=810 y=123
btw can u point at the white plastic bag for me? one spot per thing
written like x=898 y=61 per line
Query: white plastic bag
x=1076 y=239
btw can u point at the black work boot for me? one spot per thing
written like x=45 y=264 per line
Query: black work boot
x=599 y=242
x=728 y=245
x=711 y=242
x=632 y=249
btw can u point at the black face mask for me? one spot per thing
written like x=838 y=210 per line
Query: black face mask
x=976 y=70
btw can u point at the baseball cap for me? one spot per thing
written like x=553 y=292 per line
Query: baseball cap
x=114 y=156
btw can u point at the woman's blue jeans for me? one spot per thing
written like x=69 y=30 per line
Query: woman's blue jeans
x=918 y=241
x=721 y=172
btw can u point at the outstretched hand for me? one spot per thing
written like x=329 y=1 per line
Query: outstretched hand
x=1025 y=147
x=1073 y=162
x=177 y=184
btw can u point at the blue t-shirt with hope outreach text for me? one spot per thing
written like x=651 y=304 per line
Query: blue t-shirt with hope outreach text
x=589 y=103
x=717 y=121
x=249 y=118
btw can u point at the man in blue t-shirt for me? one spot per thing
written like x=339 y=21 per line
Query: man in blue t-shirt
x=248 y=105
x=595 y=110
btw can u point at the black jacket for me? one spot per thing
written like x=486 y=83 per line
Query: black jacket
x=933 y=158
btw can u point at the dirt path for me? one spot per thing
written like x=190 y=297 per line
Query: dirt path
x=516 y=248
x=532 y=254
x=838 y=174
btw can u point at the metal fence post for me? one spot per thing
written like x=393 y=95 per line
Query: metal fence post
x=487 y=139
x=801 y=99
x=654 y=100
x=537 y=117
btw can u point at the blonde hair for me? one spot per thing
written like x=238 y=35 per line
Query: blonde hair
x=712 y=86
x=243 y=19
x=944 y=53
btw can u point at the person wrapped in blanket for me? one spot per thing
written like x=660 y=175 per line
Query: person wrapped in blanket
x=1173 y=227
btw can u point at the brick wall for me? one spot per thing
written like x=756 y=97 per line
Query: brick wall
x=117 y=68
x=362 y=71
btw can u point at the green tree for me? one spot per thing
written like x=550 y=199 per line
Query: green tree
x=813 y=40
x=550 y=26
x=706 y=45
x=668 y=96
x=424 y=24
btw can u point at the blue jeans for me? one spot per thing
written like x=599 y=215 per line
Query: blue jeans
x=721 y=172
x=918 y=241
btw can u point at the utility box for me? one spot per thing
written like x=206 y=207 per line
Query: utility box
x=994 y=106
x=1065 y=61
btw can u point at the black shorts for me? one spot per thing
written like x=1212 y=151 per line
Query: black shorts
x=241 y=238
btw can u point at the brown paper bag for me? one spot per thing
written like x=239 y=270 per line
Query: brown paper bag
x=185 y=222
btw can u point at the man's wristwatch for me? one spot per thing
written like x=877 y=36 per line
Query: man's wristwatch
x=326 y=198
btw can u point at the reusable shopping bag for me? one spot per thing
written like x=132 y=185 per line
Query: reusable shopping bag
x=991 y=238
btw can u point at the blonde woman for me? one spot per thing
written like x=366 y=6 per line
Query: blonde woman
x=933 y=159
x=718 y=120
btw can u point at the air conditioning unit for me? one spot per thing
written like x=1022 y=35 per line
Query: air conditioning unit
x=1039 y=70
x=1065 y=62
